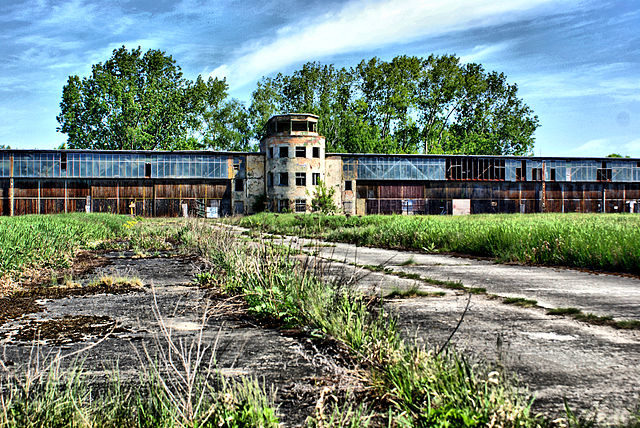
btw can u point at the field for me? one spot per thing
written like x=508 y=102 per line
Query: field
x=609 y=242
x=170 y=322
x=37 y=242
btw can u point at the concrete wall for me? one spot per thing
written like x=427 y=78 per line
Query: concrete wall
x=291 y=165
x=333 y=179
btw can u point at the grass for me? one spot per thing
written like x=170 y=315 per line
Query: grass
x=49 y=241
x=520 y=301
x=413 y=291
x=412 y=386
x=594 y=319
x=544 y=239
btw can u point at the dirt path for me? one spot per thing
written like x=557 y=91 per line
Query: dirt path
x=295 y=367
x=596 y=368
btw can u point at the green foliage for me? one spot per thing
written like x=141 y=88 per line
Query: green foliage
x=323 y=199
x=51 y=240
x=406 y=105
x=142 y=102
x=545 y=239
x=66 y=398
x=419 y=387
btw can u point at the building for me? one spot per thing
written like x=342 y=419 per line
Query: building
x=292 y=161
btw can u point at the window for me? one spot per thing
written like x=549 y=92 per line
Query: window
x=239 y=186
x=270 y=179
x=348 y=185
x=315 y=178
x=284 y=152
x=271 y=152
x=475 y=169
x=238 y=207
x=301 y=205
x=301 y=178
x=552 y=174
x=283 y=205
x=147 y=170
x=316 y=152
x=301 y=152
x=604 y=173
x=299 y=126
x=536 y=174
x=284 y=179
x=63 y=161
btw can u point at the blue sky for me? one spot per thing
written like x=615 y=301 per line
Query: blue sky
x=576 y=62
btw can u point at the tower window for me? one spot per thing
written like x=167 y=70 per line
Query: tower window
x=301 y=205
x=284 y=179
x=301 y=178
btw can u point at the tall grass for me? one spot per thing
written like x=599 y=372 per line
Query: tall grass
x=418 y=386
x=608 y=242
x=50 y=240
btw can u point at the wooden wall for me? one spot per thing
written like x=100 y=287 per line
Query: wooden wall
x=435 y=197
x=151 y=197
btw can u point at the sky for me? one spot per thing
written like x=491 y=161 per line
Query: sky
x=576 y=62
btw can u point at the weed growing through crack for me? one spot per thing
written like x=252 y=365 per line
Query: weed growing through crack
x=413 y=291
x=520 y=301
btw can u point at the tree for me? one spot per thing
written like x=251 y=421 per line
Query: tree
x=406 y=105
x=143 y=102
x=323 y=199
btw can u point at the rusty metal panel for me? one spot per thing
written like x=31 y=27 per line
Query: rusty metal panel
x=390 y=191
x=413 y=191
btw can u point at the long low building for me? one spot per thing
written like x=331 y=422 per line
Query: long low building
x=291 y=163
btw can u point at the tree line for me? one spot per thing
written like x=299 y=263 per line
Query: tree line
x=409 y=104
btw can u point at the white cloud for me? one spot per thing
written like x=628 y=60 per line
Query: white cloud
x=614 y=80
x=482 y=52
x=632 y=148
x=361 y=24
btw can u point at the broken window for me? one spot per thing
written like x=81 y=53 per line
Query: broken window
x=316 y=152
x=348 y=185
x=604 y=173
x=299 y=126
x=301 y=152
x=459 y=168
x=284 y=179
x=301 y=179
x=239 y=185
x=284 y=152
x=283 y=205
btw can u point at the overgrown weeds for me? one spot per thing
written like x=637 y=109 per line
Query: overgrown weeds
x=546 y=239
x=418 y=386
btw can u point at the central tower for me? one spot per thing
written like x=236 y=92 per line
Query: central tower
x=295 y=161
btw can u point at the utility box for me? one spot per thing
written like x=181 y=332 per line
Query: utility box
x=461 y=206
